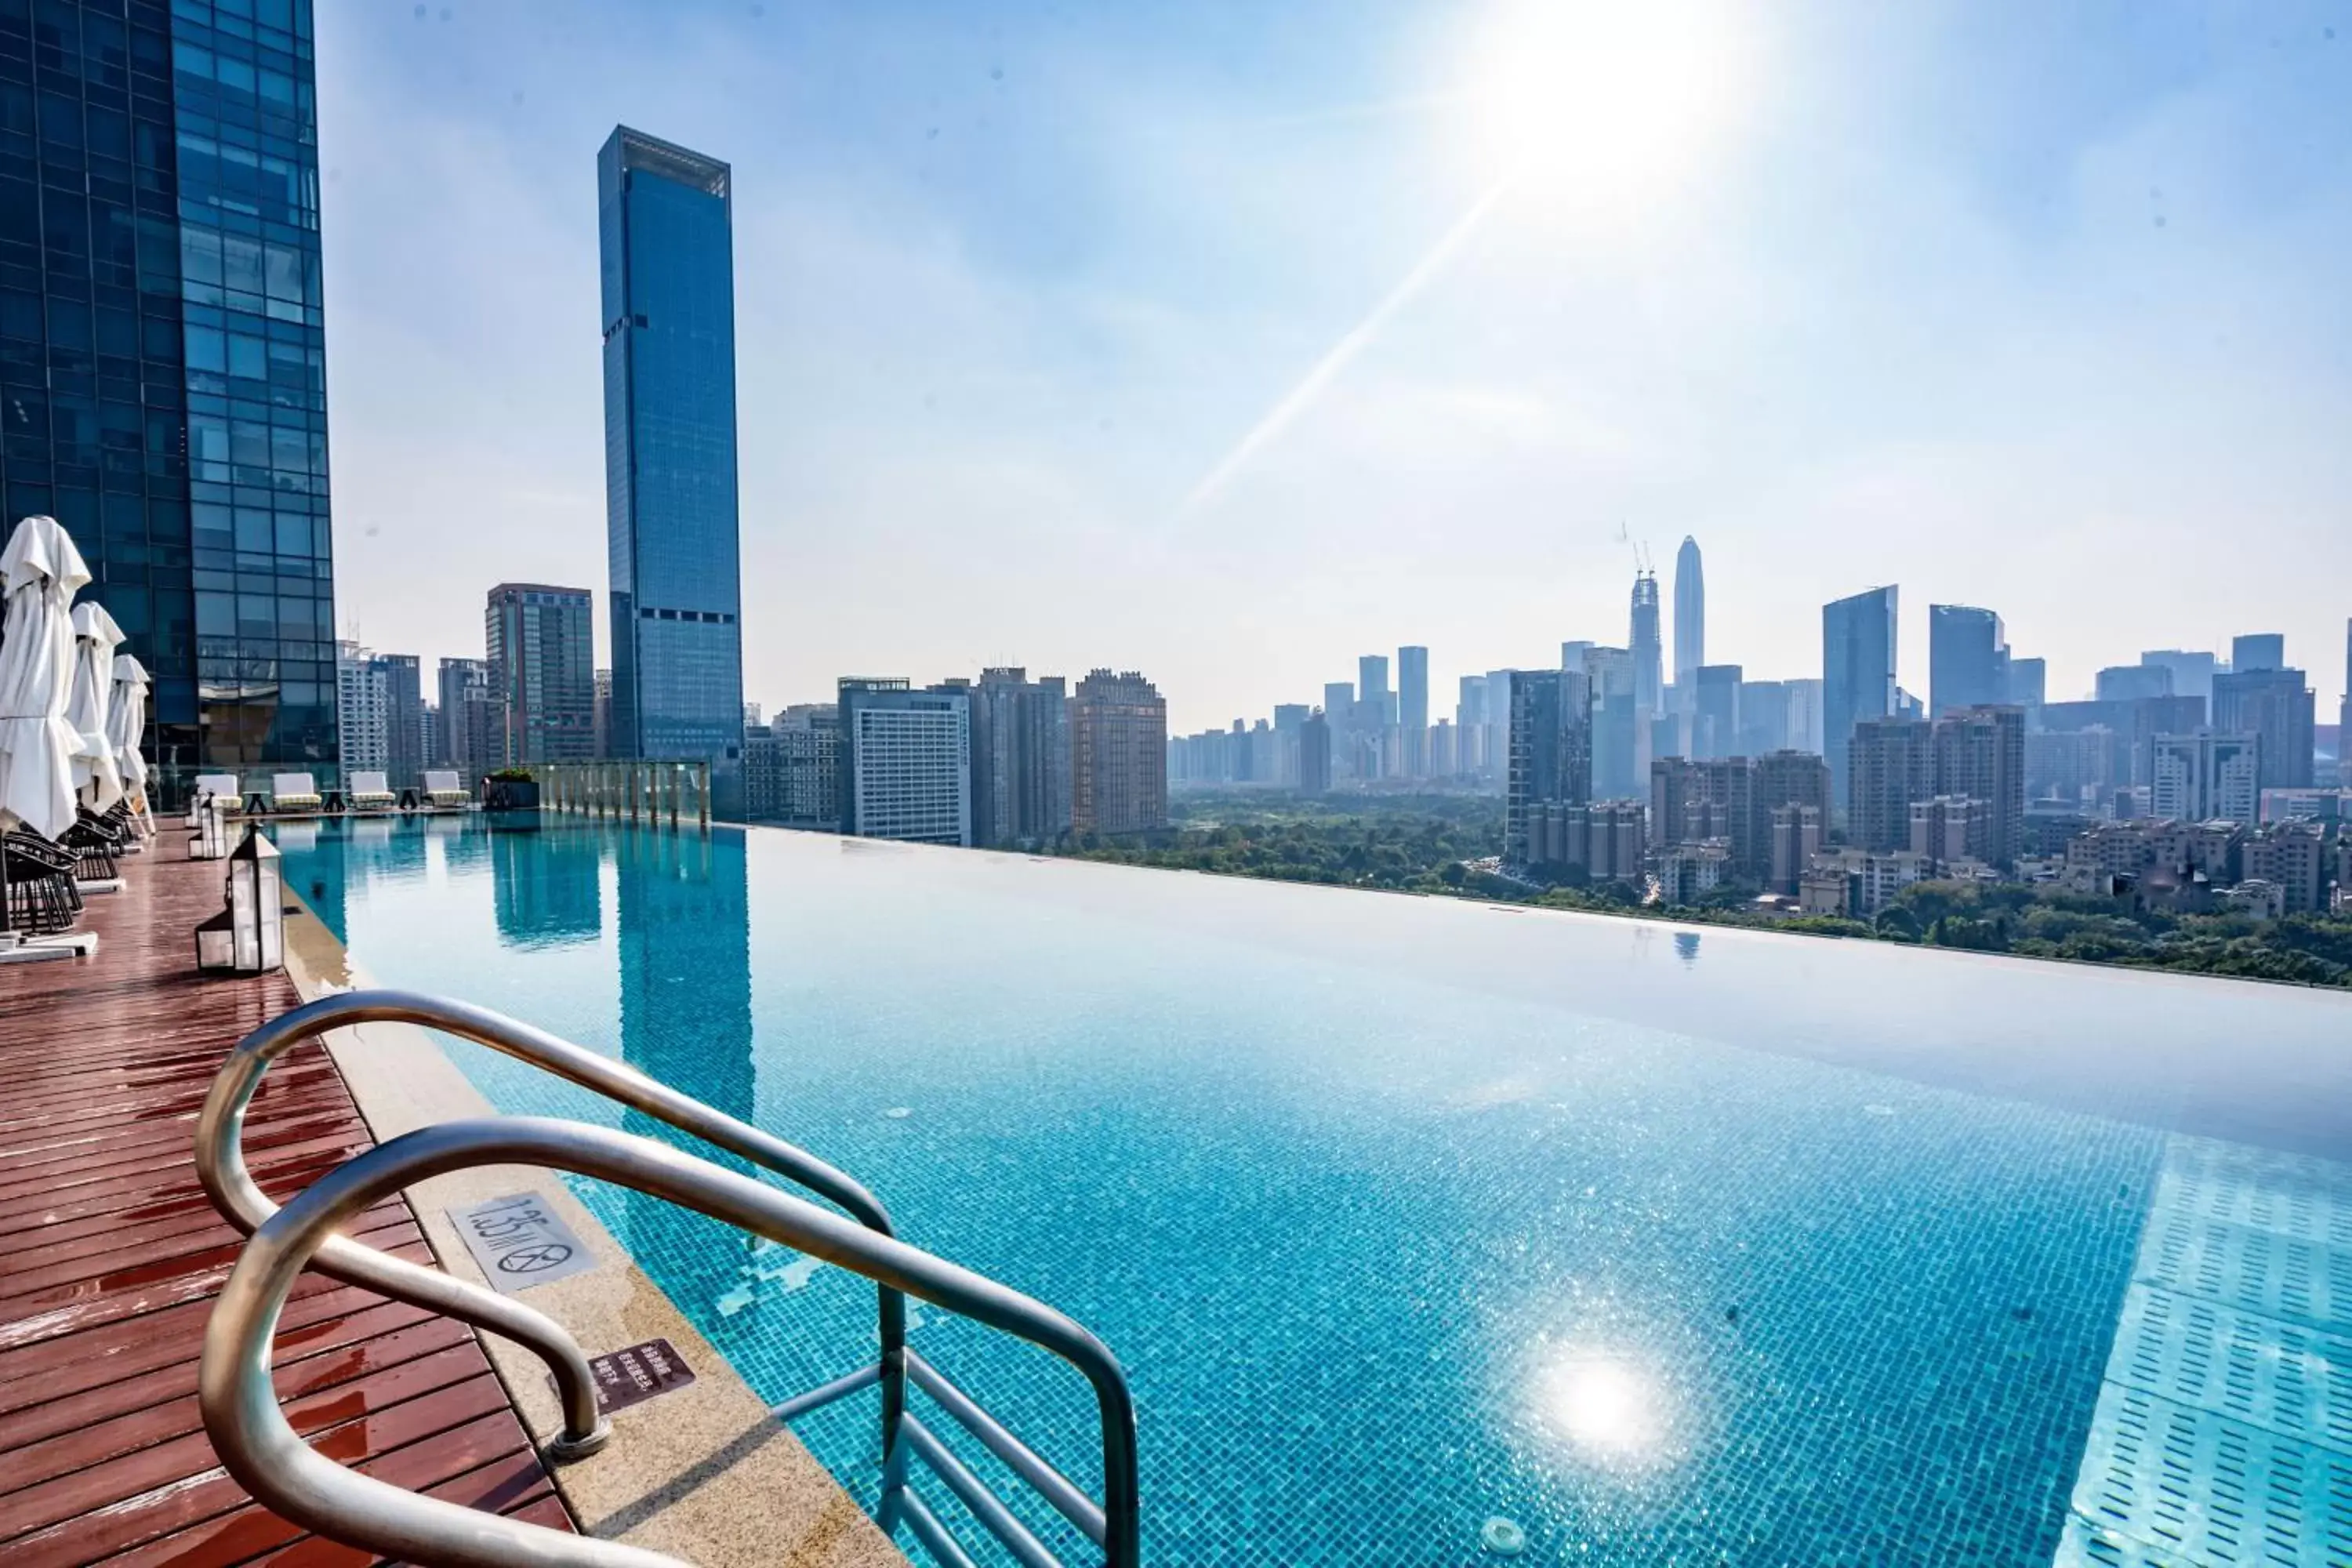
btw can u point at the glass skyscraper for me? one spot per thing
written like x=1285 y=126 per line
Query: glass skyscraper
x=669 y=457
x=1857 y=674
x=162 y=363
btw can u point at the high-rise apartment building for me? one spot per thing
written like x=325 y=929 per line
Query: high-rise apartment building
x=380 y=714
x=1892 y=763
x=1690 y=615
x=1118 y=754
x=1020 y=758
x=542 y=665
x=1551 y=750
x=792 y=768
x=2276 y=705
x=1413 y=709
x=362 y=708
x=1857 y=677
x=1967 y=658
x=673 y=545
x=2206 y=777
x=473 y=724
x=1980 y=754
x=162 y=363
x=1648 y=674
x=906 y=762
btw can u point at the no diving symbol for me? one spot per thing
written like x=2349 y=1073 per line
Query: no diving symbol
x=535 y=1258
x=519 y=1242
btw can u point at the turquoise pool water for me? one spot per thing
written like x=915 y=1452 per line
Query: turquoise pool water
x=1671 y=1247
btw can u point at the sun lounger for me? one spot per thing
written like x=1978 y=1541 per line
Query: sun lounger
x=442 y=788
x=370 y=793
x=222 y=787
x=294 y=791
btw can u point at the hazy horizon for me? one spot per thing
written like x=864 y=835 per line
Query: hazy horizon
x=1229 y=346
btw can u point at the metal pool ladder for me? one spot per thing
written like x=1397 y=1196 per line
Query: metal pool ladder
x=266 y=1456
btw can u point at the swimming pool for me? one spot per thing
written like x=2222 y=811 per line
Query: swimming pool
x=1406 y=1215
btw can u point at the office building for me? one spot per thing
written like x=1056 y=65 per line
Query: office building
x=1119 y=751
x=2276 y=705
x=1714 y=702
x=162 y=363
x=603 y=713
x=1315 y=754
x=904 y=758
x=2205 y=777
x=2029 y=683
x=1020 y=758
x=2257 y=652
x=1372 y=691
x=542 y=665
x=1690 y=615
x=1648 y=674
x=1763 y=718
x=673 y=546
x=1857 y=676
x=1621 y=732
x=1551 y=750
x=473 y=727
x=1967 y=658
x=1412 y=711
x=2134 y=682
x=1979 y=754
x=1494 y=772
x=2191 y=673
x=1805 y=715
x=1892 y=763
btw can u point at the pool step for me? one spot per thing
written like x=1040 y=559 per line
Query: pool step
x=2223 y=1432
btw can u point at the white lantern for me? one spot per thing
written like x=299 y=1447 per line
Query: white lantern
x=247 y=937
x=210 y=839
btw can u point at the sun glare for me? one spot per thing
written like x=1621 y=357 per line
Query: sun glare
x=1609 y=1410
x=1585 y=105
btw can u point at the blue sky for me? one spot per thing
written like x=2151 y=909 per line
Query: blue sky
x=2042 y=307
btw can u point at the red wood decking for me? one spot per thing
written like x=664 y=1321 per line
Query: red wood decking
x=110 y=1255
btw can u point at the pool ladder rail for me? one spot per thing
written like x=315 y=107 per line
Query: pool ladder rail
x=273 y=1463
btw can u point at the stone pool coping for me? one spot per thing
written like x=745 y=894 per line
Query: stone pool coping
x=704 y=1472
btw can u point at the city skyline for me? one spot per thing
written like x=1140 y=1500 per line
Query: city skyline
x=944 y=355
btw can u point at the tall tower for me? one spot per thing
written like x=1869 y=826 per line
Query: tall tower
x=1648 y=674
x=1857 y=674
x=1690 y=612
x=1413 y=709
x=672 y=539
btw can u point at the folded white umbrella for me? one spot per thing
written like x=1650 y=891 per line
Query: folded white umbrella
x=40 y=571
x=126 y=721
x=96 y=776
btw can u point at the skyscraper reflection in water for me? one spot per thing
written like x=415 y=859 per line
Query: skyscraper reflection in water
x=686 y=1019
x=548 y=894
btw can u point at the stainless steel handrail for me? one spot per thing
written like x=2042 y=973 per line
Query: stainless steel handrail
x=264 y=1454
x=220 y=1165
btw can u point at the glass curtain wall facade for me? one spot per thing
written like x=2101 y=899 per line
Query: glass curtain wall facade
x=1857 y=674
x=668 y=289
x=163 y=358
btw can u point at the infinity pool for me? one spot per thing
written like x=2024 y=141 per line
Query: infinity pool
x=1406 y=1215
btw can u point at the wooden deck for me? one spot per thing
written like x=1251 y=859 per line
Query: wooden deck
x=110 y=1255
